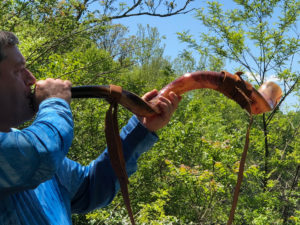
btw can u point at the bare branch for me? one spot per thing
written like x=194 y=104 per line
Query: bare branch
x=182 y=10
x=133 y=7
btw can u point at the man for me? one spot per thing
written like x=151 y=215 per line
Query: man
x=38 y=184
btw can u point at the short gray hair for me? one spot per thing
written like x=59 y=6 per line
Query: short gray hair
x=7 y=39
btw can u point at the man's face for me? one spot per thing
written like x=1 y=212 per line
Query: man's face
x=15 y=90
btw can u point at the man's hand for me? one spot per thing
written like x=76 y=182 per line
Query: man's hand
x=167 y=108
x=50 y=88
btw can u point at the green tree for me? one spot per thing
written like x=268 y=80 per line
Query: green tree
x=261 y=38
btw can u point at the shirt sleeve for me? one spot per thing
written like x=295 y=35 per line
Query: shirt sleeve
x=95 y=186
x=31 y=156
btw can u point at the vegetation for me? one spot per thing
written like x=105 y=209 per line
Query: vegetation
x=190 y=174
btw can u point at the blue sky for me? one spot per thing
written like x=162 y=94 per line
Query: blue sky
x=168 y=26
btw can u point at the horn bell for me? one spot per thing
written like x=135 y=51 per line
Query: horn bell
x=266 y=98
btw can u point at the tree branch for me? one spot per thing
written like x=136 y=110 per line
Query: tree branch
x=179 y=11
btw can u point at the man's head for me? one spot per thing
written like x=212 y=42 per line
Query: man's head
x=15 y=84
x=6 y=39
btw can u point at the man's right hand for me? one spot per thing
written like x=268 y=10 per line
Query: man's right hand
x=51 y=88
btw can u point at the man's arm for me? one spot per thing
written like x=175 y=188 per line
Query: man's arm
x=30 y=156
x=96 y=185
x=33 y=155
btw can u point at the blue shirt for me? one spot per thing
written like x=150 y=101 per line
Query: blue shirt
x=40 y=185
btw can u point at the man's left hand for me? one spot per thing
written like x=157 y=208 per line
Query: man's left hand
x=167 y=107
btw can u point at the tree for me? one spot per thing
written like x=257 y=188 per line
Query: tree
x=59 y=25
x=261 y=38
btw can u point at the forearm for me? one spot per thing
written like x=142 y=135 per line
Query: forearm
x=101 y=185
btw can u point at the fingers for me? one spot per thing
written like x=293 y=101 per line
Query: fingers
x=149 y=95
x=166 y=106
x=53 y=88
x=54 y=84
x=175 y=99
x=169 y=105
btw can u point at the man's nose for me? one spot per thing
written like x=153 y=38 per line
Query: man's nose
x=29 y=79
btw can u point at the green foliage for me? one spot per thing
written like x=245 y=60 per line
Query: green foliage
x=189 y=175
x=262 y=38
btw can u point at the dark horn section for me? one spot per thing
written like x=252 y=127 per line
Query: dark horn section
x=99 y=91
x=129 y=100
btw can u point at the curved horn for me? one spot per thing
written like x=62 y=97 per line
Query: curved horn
x=232 y=86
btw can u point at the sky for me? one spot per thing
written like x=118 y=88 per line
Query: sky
x=169 y=26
